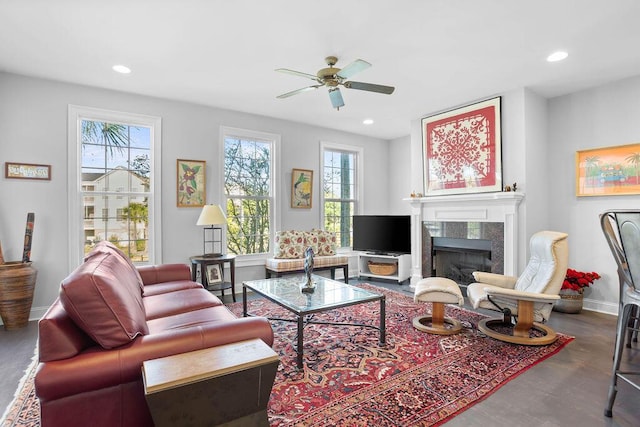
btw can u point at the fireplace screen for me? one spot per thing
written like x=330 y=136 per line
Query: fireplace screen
x=457 y=259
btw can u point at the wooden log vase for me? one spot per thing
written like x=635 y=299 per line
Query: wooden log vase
x=17 y=283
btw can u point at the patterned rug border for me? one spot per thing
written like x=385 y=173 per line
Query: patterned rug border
x=19 y=398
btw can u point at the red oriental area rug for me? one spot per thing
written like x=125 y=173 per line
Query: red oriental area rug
x=416 y=379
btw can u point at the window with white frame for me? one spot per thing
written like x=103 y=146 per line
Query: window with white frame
x=114 y=169
x=249 y=183
x=341 y=188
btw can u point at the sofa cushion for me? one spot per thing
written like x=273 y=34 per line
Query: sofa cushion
x=168 y=287
x=177 y=302
x=97 y=296
x=283 y=265
x=289 y=244
x=190 y=319
x=327 y=242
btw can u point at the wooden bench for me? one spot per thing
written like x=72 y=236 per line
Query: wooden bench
x=278 y=267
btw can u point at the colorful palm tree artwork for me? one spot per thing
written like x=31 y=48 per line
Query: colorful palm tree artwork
x=591 y=165
x=634 y=159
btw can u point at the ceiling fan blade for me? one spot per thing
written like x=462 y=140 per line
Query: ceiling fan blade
x=297 y=73
x=353 y=68
x=297 y=91
x=388 y=90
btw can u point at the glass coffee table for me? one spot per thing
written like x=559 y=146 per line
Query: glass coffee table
x=327 y=295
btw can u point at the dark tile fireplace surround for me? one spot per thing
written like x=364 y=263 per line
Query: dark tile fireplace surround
x=456 y=249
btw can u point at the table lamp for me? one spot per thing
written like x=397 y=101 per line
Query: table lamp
x=212 y=215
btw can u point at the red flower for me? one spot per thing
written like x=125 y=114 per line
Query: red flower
x=578 y=280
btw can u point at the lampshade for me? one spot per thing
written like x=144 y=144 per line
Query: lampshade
x=210 y=215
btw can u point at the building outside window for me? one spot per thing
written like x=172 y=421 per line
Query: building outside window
x=249 y=182
x=116 y=170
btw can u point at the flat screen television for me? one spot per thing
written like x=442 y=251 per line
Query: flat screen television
x=382 y=234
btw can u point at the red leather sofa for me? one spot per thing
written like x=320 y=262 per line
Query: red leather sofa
x=109 y=318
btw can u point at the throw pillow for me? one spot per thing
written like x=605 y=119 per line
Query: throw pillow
x=104 y=246
x=327 y=242
x=289 y=244
x=98 y=301
x=311 y=240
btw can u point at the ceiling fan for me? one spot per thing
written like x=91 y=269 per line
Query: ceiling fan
x=333 y=77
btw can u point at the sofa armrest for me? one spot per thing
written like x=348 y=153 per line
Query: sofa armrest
x=97 y=368
x=152 y=274
x=522 y=295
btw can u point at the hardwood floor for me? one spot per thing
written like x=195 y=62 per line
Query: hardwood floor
x=568 y=389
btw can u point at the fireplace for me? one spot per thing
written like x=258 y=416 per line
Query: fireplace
x=455 y=249
x=457 y=259
x=491 y=218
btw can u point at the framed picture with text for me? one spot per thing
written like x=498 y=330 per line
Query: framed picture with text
x=27 y=171
x=462 y=150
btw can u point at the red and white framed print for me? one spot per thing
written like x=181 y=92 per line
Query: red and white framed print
x=462 y=150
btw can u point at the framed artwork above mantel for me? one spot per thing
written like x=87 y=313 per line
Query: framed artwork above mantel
x=462 y=150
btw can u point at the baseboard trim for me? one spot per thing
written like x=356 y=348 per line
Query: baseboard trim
x=600 y=306
x=36 y=313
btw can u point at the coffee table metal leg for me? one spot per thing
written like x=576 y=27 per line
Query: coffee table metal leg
x=244 y=301
x=299 y=350
x=383 y=326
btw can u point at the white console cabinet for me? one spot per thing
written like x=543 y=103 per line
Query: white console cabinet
x=403 y=261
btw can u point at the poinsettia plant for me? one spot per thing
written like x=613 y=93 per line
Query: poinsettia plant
x=578 y=280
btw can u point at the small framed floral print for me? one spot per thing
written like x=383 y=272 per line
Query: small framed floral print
x=191 y=181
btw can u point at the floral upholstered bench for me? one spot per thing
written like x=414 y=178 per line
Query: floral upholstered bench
x=289 y=253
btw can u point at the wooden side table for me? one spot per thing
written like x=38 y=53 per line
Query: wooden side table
x=226 y=385
x=203 y=261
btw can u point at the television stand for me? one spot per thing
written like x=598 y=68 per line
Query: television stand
x=403 y=261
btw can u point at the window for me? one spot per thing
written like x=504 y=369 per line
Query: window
x=249 y=182
x=114 y=170
x=341 y=187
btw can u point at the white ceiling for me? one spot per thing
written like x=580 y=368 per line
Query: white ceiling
x=437 y=53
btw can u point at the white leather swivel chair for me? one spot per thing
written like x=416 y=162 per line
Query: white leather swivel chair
x=529 y=298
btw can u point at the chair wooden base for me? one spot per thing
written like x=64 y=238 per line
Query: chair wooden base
x=521 y=329
x=437 y=323
x=549 y=336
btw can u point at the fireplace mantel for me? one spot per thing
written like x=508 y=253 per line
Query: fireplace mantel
x=477 y=207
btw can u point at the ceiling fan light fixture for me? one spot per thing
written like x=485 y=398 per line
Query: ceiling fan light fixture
x=336 y=98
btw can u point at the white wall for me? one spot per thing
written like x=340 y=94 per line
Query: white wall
x=400 y=184
x=600 y=117
x=33 y=129
x=539 y=140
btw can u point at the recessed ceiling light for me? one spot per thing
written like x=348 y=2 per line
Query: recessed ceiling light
x=121 y=69
x=557 y=56
x=367 y=122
